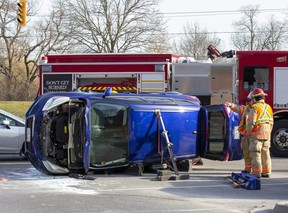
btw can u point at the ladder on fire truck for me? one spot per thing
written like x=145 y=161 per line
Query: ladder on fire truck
x=168 y=143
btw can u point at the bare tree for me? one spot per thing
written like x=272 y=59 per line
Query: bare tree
x=195 y=41
x=72 y=26
x=21 y=48
x=9 y=33
x=51 y=35
x=114 y=26
x=160 y=44
x=272 y=34
x=250 y=35
x=246 y=28
x=10 y=53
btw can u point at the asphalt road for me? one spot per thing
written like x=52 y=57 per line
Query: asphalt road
x=206 y=190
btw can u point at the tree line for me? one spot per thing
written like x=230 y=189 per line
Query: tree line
x=109 y=26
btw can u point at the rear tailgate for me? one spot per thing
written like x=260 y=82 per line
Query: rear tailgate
x=218 y=137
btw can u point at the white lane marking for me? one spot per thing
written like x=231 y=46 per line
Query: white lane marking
x=14 y=163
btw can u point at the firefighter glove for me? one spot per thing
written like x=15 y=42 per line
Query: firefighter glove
x=228 y=104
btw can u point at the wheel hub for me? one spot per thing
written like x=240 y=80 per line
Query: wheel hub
x=281 y=137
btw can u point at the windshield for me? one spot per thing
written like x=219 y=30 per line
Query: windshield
x=109 y=134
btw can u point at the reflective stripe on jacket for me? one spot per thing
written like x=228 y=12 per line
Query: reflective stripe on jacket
x=260 y=121
x=264 y=113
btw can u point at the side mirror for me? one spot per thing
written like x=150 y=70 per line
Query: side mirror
x=6 y=123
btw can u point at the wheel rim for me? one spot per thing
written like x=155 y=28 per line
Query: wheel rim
x=280 y=139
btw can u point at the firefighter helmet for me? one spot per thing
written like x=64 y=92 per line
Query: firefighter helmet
x=256 y=93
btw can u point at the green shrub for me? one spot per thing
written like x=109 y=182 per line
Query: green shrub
x=18 y=108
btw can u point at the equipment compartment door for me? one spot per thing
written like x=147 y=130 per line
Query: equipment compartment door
x=280 y=88
x=152 y=82
x=219 y=137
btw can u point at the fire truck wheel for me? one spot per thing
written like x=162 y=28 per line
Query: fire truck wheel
x=279 y=139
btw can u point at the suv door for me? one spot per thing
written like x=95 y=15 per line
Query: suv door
x=219 y=138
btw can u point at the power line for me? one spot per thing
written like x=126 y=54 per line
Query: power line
x=205 y=13
x=215 y=32
x=218 y=12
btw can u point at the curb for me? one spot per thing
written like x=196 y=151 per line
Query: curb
x=281 y=208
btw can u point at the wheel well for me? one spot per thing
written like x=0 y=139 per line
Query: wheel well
x=279 y=115
x=279 y=138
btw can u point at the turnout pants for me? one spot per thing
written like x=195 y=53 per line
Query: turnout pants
x=260 y=156
x=246 y=153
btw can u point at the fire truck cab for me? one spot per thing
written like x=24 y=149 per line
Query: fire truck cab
x=267 y=70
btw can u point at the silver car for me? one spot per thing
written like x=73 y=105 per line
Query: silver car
x=12 y=133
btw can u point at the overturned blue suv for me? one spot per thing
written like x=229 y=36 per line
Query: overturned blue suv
x=81 y=132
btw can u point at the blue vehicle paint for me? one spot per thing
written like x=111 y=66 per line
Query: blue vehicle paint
x=144 y=137
x=79 y=132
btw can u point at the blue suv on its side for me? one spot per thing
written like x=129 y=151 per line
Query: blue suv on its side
x=79 y=132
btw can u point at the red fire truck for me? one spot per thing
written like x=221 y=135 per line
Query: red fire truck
x=269 y=71
x=212 y=83
x=124 y=72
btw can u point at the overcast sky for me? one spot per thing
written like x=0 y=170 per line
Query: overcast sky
x=214 y=15
x=217 y=19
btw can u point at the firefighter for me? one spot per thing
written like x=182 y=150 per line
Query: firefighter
x=259 y=125
x=243 y=111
